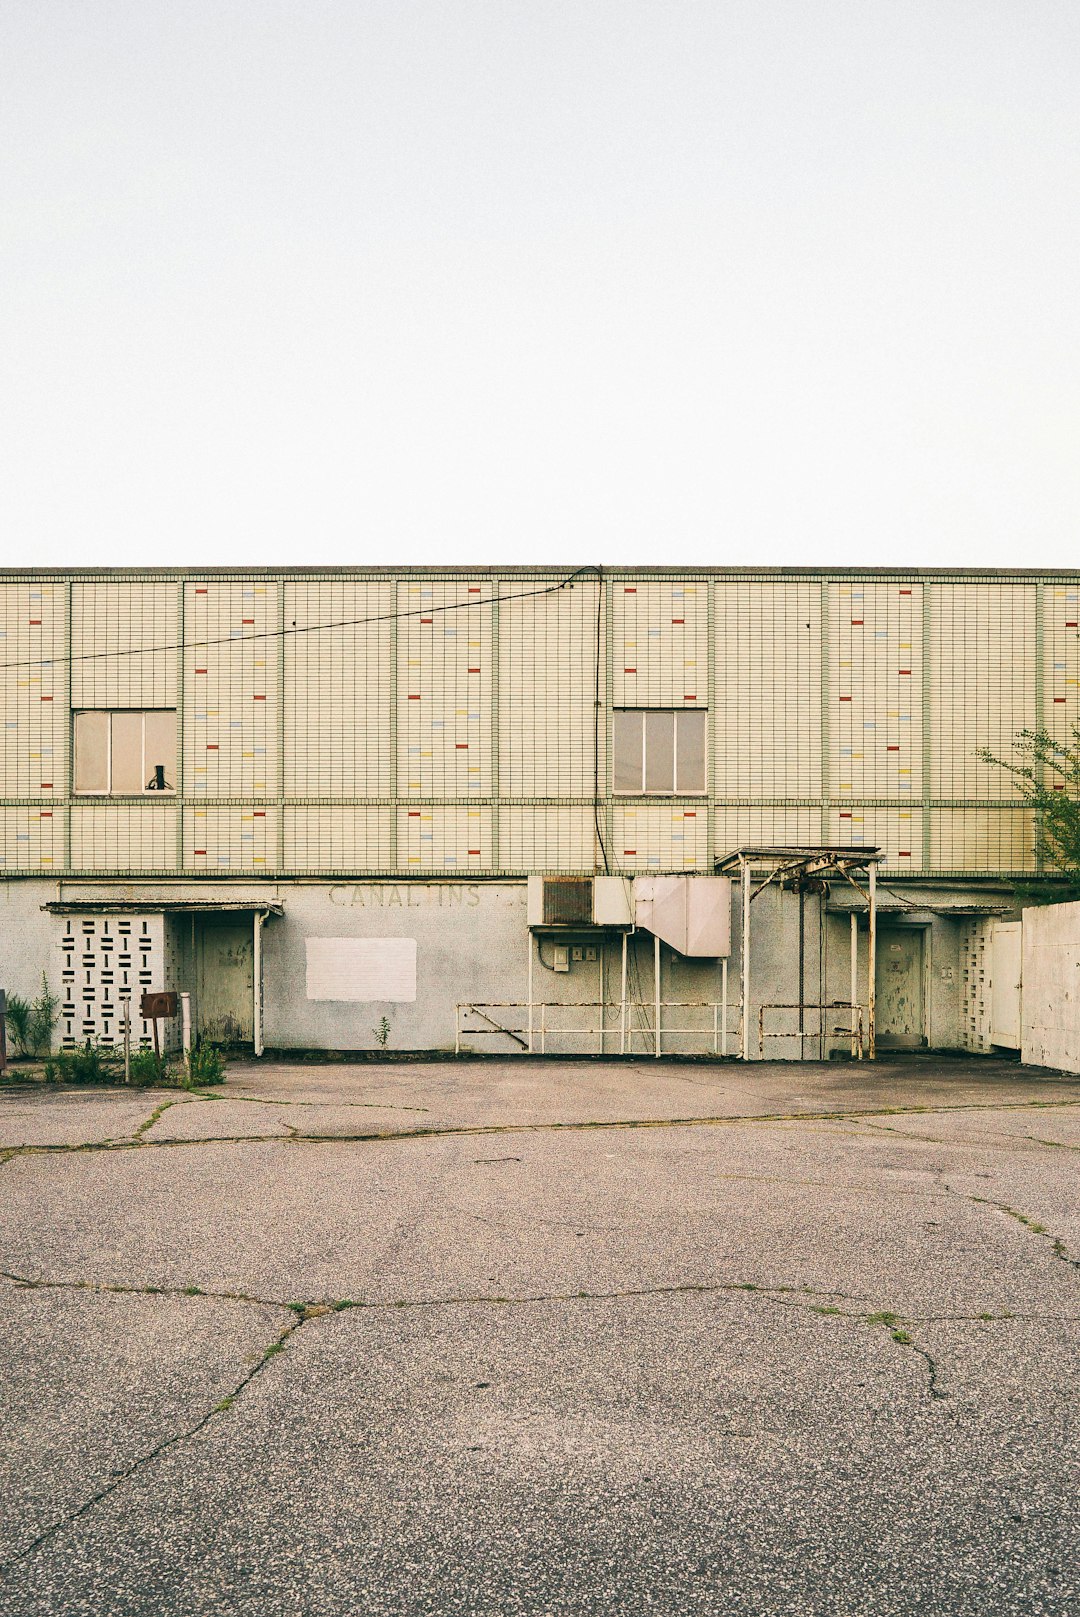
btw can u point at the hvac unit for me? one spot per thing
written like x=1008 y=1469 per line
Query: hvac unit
x=578 y=901
x=692 y=914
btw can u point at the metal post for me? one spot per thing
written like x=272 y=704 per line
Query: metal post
x=723 y=1006
x=656 y=993
x=600 y=953
x=622 y=1000
x=854 y=994
x=745 y=1008
x=185 y=1028
x=257 y=993
x=871 y=970
x=530 y=993
x=457 y=1030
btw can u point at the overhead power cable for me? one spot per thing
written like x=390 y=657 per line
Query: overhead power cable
x=293 y=629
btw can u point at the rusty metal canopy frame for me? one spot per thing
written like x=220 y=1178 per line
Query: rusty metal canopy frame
x=801 y=869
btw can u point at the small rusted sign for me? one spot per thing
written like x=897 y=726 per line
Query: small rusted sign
x=152 y=1007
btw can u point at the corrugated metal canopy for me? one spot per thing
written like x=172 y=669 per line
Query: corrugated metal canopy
x=164 y=906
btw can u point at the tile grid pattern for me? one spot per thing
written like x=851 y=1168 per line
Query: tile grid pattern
x=783 y=769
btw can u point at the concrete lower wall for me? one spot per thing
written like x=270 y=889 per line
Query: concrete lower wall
x=1051 y=993
x=350 y=965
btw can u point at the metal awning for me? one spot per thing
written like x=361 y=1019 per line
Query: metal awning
x=165 y=906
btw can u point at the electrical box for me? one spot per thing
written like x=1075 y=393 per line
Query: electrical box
x=560 y=957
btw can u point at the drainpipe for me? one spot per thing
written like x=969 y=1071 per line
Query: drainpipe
x=259 y=916
x=871 y=967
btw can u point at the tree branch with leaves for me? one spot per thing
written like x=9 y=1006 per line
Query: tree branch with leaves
x=1046 y=772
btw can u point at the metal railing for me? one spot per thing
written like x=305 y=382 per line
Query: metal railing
x=854 y=1031
x=630 y=1021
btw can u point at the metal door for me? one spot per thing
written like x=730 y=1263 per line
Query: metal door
x=224 y=978
x=1005 y=958
x=901 y=1018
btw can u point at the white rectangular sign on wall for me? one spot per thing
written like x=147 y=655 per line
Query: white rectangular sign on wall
x=377 y=969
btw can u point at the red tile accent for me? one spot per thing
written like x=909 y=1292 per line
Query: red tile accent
x=905 y=592
x=904 y=670
x=426 y=620
x=630 y=589
x=414 y=814
x=690 y=814
x=892 y=749
x=692 y=697
x=1059 y=699
x=200 y=592
x=260 y=814
x=474 y=853
x=247 y=620
x=630 y=851
x=462 y=746
x=678 y=620
x=200 y=670
x=414 y=698
x=629 y=670
x=260 y=698
x=1070 y=625
x=35 y=623
x=46 y=786
x=46 y=814
x=905 y=853
x=474 y=589
x=200 y=851
x=46 y=698
x=212 y=746
x=845 y=699
x=857 y=623
x=844 y=814
x=474 y=670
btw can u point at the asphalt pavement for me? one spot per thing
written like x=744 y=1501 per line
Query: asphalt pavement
x=544 y=1338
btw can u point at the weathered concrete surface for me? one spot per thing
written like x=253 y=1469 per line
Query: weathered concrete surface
x=806 y=1345
x=1051 y=986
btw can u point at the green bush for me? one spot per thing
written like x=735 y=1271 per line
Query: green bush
x=18 y=1021
x=146 y=1068
x=206 y=1065
x=41 y=1021
x=85 y=1065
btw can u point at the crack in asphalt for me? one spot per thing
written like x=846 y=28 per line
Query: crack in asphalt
x=1057 y=1245
x=139 y=1140
x=271 y=1351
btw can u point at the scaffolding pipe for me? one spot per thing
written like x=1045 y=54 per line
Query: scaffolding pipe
x=656 y=989
x=871 y=971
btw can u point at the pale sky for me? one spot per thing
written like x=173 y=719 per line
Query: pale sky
x=729 y=282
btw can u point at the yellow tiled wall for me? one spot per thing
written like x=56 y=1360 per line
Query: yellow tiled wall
x=372 y=722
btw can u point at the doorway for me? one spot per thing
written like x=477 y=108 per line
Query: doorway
x=224 y=978
x=900 y=988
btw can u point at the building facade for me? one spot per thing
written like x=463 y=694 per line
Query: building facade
x=314 y=797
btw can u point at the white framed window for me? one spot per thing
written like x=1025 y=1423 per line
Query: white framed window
x=658 y=751
x=125 y=753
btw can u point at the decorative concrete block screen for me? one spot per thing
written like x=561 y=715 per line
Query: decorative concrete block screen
x=107 y=960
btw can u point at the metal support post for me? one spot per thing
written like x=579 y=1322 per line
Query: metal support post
x=854 y=994
x=127 y=1041
x=530 y=993
x=622 y=1000
x=656 y=993
x=257 y=986
x=871 y=970
x=600 y=956
x=723 y=1006
x=744 y=870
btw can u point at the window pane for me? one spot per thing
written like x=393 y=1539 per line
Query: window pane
x=91 y=748
x=626 y=751
x=160 y=749
x=691 y=752
x=127 y=767
x=659 y=752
